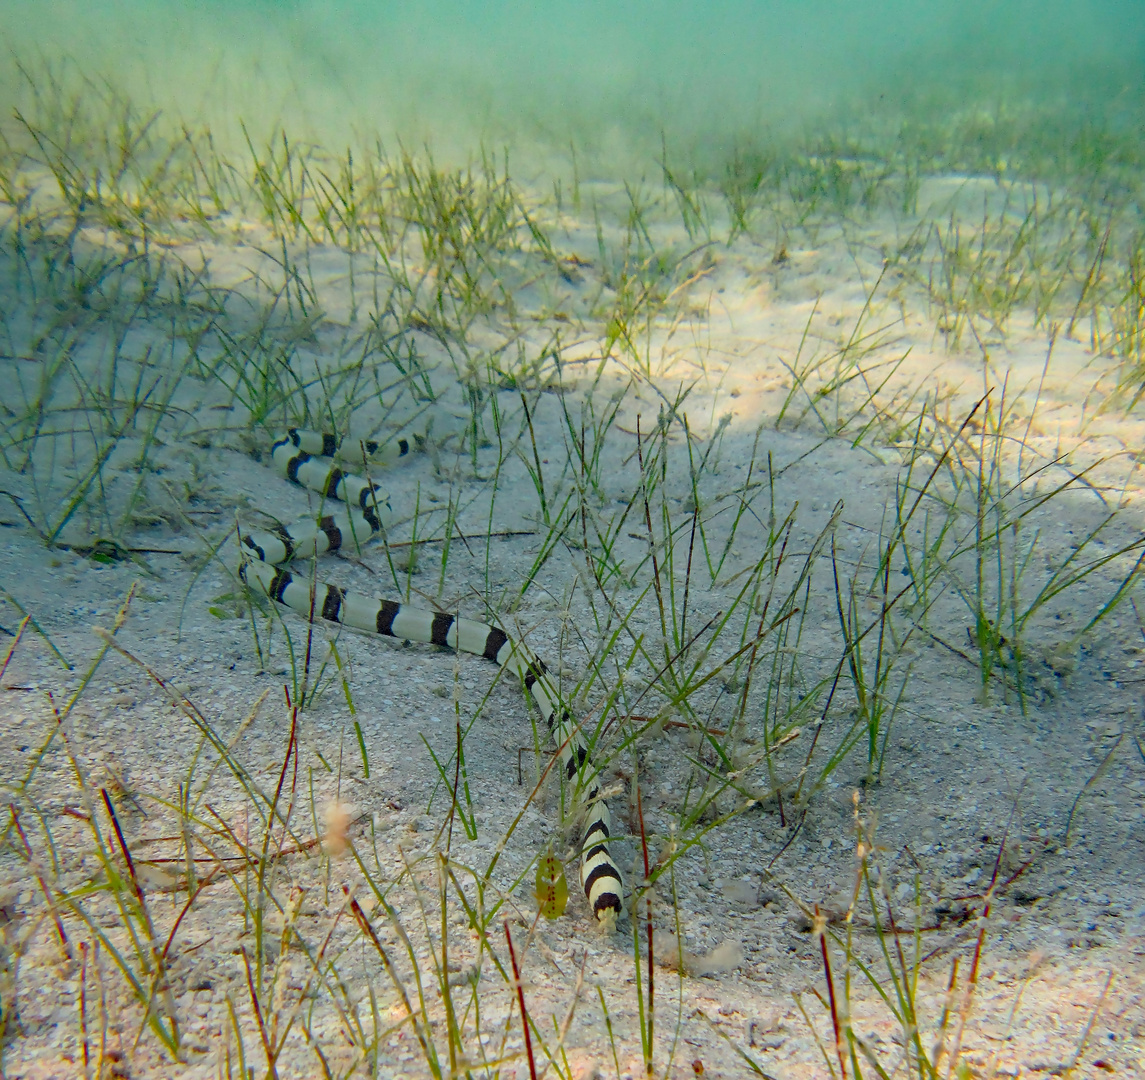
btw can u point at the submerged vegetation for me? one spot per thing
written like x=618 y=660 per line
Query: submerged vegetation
x=164 y=299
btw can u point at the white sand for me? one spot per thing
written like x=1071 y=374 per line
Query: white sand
x=959 y=776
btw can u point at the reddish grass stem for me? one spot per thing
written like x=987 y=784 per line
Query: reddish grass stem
x=126 y=853
x=83 y=1010
x=15 y=641
x=263 y=1035
x=42 y=883
x=831 y=993
x=364 y=925
x=521 y=1001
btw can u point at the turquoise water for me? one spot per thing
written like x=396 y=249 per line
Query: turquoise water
x=608 y=75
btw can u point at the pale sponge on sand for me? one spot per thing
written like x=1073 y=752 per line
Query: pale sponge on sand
x=726 y=956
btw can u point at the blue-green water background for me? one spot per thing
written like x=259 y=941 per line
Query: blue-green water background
x=608 y=75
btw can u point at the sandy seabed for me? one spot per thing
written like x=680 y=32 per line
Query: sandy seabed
x=801 y=374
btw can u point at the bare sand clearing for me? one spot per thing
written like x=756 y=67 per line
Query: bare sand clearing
x=817 y=377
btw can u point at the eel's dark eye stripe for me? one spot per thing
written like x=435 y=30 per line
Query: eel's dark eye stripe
x=607 y=900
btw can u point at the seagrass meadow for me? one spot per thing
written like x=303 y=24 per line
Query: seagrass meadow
x=751 y=393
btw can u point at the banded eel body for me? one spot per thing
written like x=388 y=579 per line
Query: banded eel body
x=306 y=458
x=295 y=458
